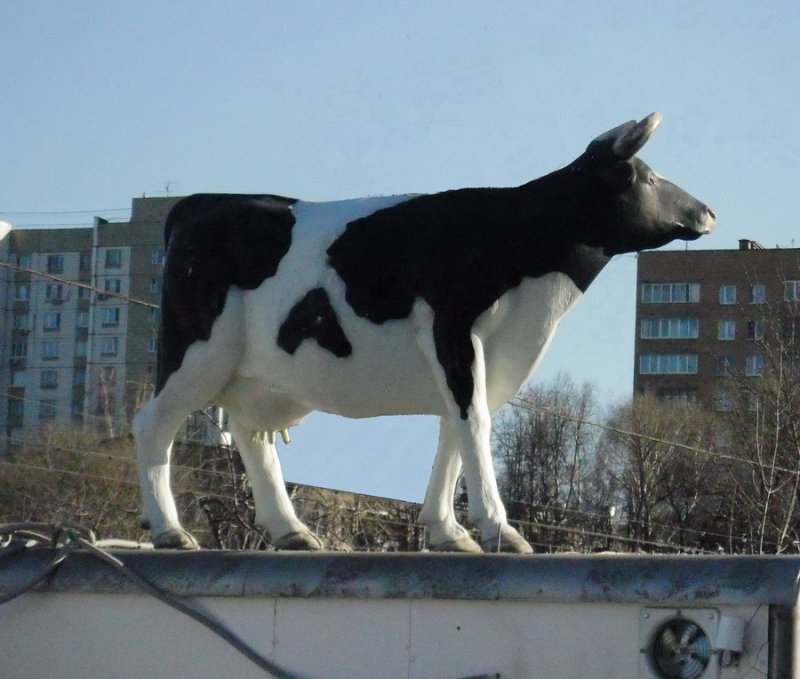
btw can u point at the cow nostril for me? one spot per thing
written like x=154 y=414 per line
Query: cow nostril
x=710 y=212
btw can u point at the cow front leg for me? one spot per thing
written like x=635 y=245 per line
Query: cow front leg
x=445 y=534
x=461 y=355
x=486 y=509
x=274 y=510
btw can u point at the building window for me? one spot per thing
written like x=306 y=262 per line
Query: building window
x=49 y=350
x=16 y=408
x=152 y=345
x=157 y=257
x=20 y=320
x=113 y=285
x=155 y=286
x=669 y=328
x=48 y=409
x=49 y=379
x=82 y=319
x=754 y=366
x=79 y=378
x=791 y=291
x=77 y=406
x=727 y=294
x=55 y=263
x=662 y=293
x=724 y=366
x=22 y=292
x=113 y=258
x=668 y=364
x=726 y=330
x=758 y=294
x=19 y=350
x=154 y=314
x=111 y=316
x=18 y=378
x=678 y=396
x=54 y=292
x=51 y=320
x=84 y=293
x=85 y=261
x=755 y=330
x=80 y=349
x=108 y=375
x=791 y=328
x=24 y=261
x=723 y=401
x=109 y=346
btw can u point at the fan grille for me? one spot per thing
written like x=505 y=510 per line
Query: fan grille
x=680 y=650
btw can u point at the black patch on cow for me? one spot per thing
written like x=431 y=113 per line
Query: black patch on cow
x=214 y=241
x=462 y=250
x=314 y=318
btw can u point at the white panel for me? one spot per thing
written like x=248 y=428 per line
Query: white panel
x=77 y=636
x=343 y=638
x=523 y=640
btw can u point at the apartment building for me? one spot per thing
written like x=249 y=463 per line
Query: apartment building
x=78 y=337
x=702 y=317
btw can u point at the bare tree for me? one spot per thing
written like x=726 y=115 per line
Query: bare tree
x=65 y=474
x=661 y=457
x=544 y=446
x=762 y=428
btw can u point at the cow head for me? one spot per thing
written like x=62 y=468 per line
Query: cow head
x=635 y=208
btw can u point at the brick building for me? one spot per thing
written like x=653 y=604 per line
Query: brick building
x=703 y=316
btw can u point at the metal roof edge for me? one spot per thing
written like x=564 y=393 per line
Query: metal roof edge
x=568 y=578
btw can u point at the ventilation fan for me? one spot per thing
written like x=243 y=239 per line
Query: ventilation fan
x=680 y=649
x=675 y=644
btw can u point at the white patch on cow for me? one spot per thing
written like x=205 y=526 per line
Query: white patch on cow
x=518 y=329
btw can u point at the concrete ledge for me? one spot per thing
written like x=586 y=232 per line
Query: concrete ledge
x=650 y=580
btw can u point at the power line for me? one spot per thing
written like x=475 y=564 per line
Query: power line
x=78 y=284
x=527 y=405
x=64 y=212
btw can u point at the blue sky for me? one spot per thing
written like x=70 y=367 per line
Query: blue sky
x=100 y=102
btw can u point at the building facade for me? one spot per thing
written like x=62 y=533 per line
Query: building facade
x=80 y=324
x=706 y=316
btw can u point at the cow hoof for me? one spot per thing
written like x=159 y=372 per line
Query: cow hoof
x=177 y=538
x=508 y=541
x=464 y=544
x=299 y=541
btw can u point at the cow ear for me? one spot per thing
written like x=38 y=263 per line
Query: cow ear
x=628 y=144
x=624 y=141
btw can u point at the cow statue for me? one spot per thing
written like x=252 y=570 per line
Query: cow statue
x=439 y=304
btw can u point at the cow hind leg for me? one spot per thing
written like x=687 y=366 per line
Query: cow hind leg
x=445 y=534
x=205 y=369
x=154 y=429
x=274 y=511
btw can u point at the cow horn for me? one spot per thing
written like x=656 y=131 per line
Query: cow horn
x=631 y=140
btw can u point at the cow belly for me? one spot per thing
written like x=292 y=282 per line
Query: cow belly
x=384 y=374
x=387 y=372
x=518 y=329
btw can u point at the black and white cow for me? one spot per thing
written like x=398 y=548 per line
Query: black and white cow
x=437 y=304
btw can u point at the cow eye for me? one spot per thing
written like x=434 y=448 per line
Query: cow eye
x=651 y=178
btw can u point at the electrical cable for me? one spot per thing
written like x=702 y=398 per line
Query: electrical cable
x=69 y=538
